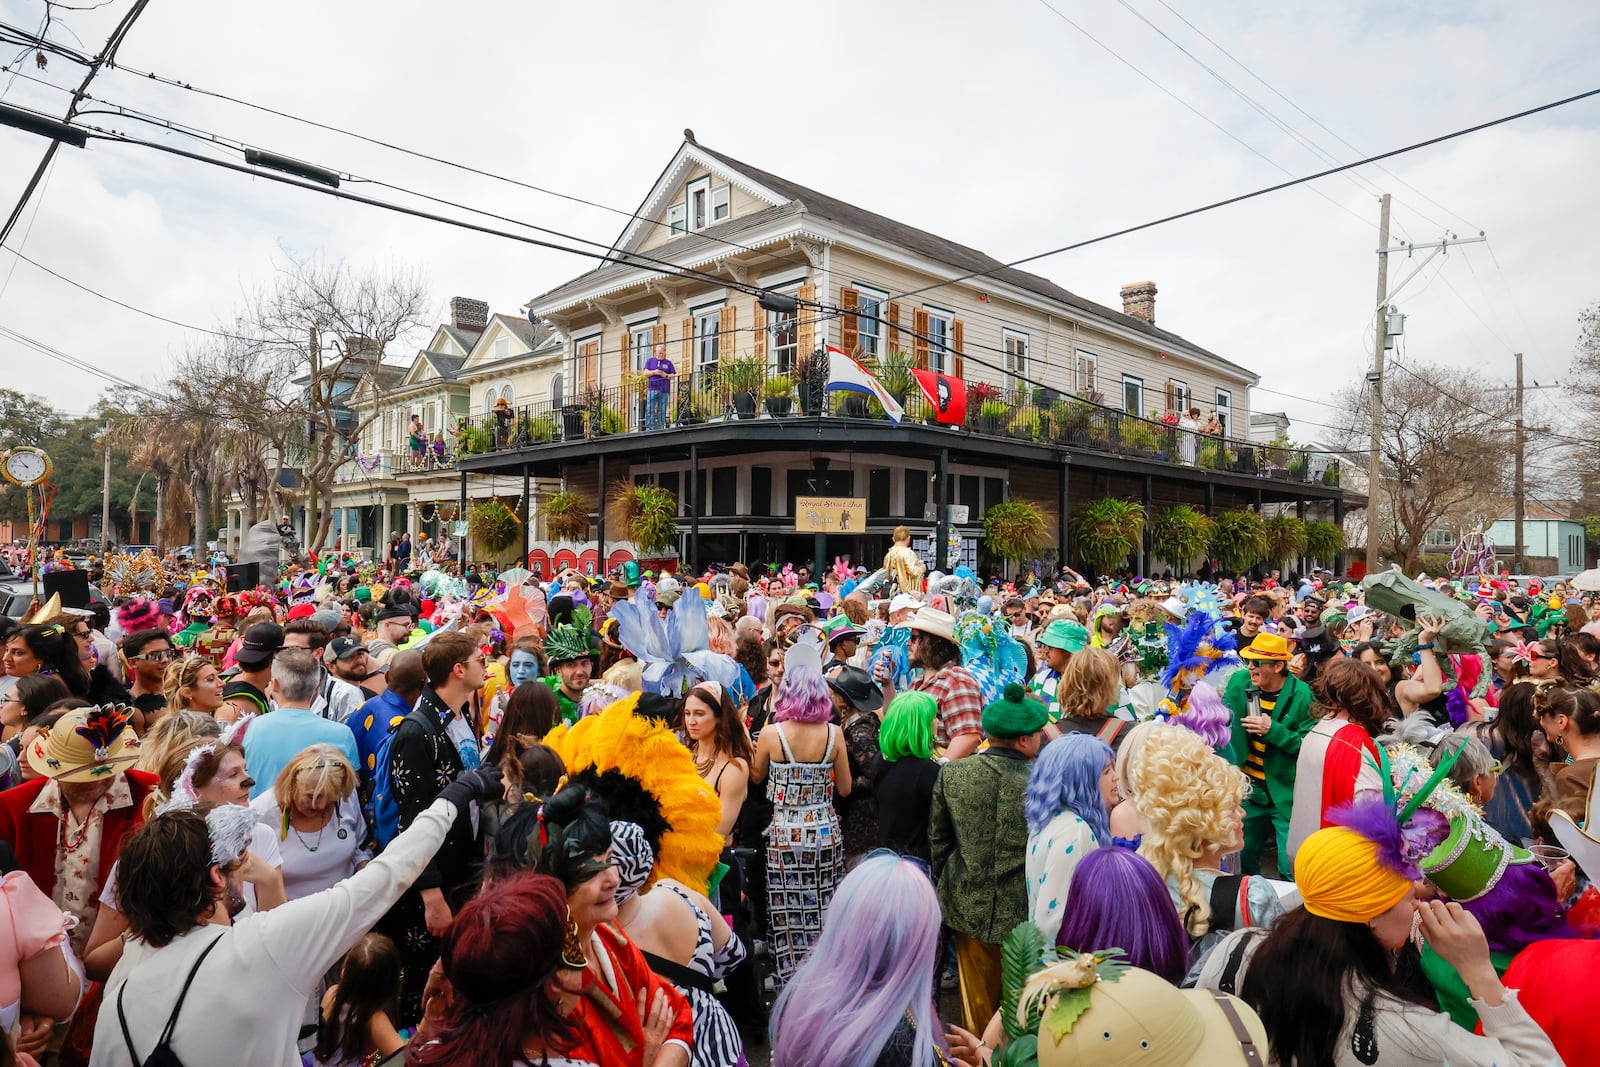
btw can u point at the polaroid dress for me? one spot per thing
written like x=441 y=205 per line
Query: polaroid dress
x=805 y=853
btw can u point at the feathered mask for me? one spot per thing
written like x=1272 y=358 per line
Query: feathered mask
x=1412 y=817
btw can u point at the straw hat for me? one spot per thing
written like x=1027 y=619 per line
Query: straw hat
x=86 y=745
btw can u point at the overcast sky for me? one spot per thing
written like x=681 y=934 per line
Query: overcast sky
x=1001 y=126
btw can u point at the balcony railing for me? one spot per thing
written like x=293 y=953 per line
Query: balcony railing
x=1025 y=414
x=385 y=464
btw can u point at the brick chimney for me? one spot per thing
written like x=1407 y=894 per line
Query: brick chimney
x=1139 y=300
x=469 y=314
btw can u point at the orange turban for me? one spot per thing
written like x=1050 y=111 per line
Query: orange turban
x=1340 y=877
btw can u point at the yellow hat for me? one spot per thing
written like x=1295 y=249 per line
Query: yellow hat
x=1341 y=877
x=1268 y=646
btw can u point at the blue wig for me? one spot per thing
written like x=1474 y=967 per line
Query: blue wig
x=1066 y=777
x=880 y=938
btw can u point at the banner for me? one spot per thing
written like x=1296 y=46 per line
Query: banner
x=846 y=374
x=946 y=393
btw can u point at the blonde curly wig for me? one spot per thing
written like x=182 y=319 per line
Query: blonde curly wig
x=1189 y=796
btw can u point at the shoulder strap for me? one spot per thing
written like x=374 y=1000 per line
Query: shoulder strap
x=678 y=974
x=1109 y=730
x=1225 y=893
x=827 y=753
x=783 y=742
x=172 y=1020
x=1228 y=981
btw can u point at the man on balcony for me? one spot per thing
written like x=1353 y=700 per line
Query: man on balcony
x=659 y=372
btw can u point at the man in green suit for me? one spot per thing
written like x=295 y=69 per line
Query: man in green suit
x=1271 y=715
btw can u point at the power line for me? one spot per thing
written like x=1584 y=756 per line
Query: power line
x=1240 y=198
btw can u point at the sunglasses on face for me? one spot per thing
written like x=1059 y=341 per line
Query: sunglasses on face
x=158 y=656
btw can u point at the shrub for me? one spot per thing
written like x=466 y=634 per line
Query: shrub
x=1015 y=529
x=1240 y=540
x=566 y=516
x=1107 y=532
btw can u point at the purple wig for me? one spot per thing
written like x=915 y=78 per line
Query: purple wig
x=1208 y=716
x=881 y=939
x=1522 y=908
x=1119 y=901
x=803 y=696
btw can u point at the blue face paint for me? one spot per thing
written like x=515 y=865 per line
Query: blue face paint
x=524 y=667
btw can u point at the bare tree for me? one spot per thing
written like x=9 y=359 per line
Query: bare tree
x=1445 y=452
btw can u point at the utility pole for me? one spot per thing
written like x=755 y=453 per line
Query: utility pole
x=1518 y=487
x=105 y=494
x=313 y=520
x=1374 y=460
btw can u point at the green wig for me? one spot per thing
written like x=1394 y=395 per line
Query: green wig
x=907 y=729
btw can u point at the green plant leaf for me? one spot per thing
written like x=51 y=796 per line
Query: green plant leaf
x=1240 y=540
x=1019 y=1052
x=1066 y=1008
x=1108 y=531
x=1180 y=535
x=1015 y=530
x=1020 y=955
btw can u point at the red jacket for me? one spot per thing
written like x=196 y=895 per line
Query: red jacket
x=34 y=836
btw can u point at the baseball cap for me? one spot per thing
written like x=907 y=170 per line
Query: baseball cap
x=301 y=611
x=342 y=648
x=902 y=602
x=261 y=642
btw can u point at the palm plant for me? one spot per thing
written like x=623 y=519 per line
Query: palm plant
x=1286 y=538
x=566 y=516
x=493 y=525
x=1015 y=530
x=1108 y=531
x=1181 y=534
x=648 y=512
x=1324 y=541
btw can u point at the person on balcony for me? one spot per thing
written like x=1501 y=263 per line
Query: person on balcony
x=1188 y=426
x=502 y=423
x=659 y=372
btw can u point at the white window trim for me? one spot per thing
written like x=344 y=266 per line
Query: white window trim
x=869 y=327
x=1091 y=362
x=638 y=354
x=678 y=219
x=1008 y=334
x=722 y=194
x=502 y=347
x=1223 y=406
x=557 y=390
x=509 y=392
x=577 y=346
x=698 y=313
x=1182 y=396
x=1127 y=380
x=939 y=355
x=698 y=185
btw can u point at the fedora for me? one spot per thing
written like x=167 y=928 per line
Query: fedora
x=86 y=745
x=1268 y=646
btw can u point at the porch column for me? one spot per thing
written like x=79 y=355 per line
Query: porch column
x=527 y=517
x=385 y=521
x=600 y=522
x=694 y=508
x=941 y=529
x=1145 y=558
x=1338 y=519
x=1063 y=522
x=461 y=513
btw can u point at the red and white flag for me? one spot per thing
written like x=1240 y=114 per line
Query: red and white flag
x=947 y=394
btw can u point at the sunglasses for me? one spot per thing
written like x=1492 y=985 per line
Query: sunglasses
x=156 y=657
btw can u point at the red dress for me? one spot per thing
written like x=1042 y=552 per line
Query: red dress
x=608 y=1011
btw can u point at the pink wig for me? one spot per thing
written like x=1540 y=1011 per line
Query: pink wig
x=721 y=636
x=803 y=696
x=138 y=615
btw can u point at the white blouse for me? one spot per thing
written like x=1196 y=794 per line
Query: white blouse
x=316 y=860
x=1053 y=855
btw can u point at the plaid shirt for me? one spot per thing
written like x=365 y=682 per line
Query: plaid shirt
x=960 y=703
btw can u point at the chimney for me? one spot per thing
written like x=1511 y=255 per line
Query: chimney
x=1139 y=300
x=469 y=314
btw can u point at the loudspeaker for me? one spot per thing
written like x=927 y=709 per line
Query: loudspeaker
x=242 y=576
x=73 y=586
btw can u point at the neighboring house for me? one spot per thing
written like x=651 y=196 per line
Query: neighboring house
x=1268 y=426
x=1553 y=543
x=873 y=287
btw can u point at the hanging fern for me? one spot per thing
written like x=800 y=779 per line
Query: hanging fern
x=1240 y=540
x=1180 y=535
x=1108 y=532
x=648 y=513
x=493 y=525
x=1286 y=538
x=1015 y=530
x=566 y=516
x=1324 y=541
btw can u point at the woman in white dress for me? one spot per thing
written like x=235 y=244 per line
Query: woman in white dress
x=315 y=821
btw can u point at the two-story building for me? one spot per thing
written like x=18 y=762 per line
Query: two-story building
x=1065 y=395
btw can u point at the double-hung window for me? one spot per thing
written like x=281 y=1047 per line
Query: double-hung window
x=870 y=307
x=639 y=335
x=1133 y=395
x=784 y=329
x=699 y=200
x=1087 y=378
x=1015 y=343
x=940 y=324
x=1225 y=411
x=707 y=323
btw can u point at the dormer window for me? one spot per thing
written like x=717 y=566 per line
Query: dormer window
x=699 y=200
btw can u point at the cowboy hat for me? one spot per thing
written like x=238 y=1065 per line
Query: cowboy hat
x=933 y=621
x=86 y=745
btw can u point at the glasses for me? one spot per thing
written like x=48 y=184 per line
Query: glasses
x=83 y=632
x=159 y=655
x=1497 y=767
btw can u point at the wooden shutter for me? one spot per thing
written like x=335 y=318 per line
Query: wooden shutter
x=919 y=338
x=958 y=360
x=849 y=325
x=625 y=363
x=589 y=360
x=727 y=321
x=1171 y=395
x=806 y=323
x=688 y=346
x=758 y=334
x=894 y=326
x=658 y=336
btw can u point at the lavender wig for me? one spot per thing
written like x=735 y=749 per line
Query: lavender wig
x=1119 y=901
x=1522 y=908
x=803 y=696
x=1207 y=716
x=880 y=938
x=1066 y=777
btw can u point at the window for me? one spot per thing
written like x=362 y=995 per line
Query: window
x=676 y=216
x=508 y=394
x=1133 y=395
x=939 y=328
x=1177 y=396
x=1225 y=411
x=869 y=322
x=1440 y=539
x=502 y=347
x=557 y=381
x=1088 y=373
x=489 y=397
x=785 y=330
x=699 y=201
x=430 y=416
x=721 y=203
x=1015 y=344
x=639 y=335
x=586 y=370
x=706 y=324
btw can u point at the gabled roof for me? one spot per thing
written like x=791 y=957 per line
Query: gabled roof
x=465 y=338
x=443 y=365
x=791 y=198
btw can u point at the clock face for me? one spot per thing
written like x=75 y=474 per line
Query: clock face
x=26 y=466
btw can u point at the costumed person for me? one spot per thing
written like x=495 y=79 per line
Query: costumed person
x=1061 y=639
x=1071 y=789
x=673 y=649
x=684 y=939
x=1201 y=653
x=904 y=568
x=618 y=996
x=1322 y=978
x=1271 y=711
x=804 y=756
x=574 y=655
x=1339 y=754
x=990 y=654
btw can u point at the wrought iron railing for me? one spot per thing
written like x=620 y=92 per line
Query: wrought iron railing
x=1030 y=414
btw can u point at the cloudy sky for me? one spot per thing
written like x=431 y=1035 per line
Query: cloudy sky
x=1003 y=126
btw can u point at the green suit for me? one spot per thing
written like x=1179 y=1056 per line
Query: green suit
x=1267 y=808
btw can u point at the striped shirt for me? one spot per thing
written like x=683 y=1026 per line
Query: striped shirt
x=1253 y=764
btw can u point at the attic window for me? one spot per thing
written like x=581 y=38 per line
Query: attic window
x=675 y=219
x=698 y=198
x=502 y=347
x=721 y=203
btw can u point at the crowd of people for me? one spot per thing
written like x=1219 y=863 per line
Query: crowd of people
x=370 y=814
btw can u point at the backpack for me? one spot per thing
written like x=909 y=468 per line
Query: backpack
x=385 y=820
x=162 y=1055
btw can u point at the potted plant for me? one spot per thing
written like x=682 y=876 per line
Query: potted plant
x=1286 y=538
x=1015 y=530
x=1330 y=475
x=573 y=419
x=1139 y=436
x=991 y=413
x=1297 y=467
x=647 y=512
x=1211 y=456
x=742 y=379
x=607 y=421
x=541 y=430
x=1180 y=535
x=566 y=516
x=811 y=381
x=1108 y=531
x=894 y=371
x=1324 y=541
x=852 y=406
x=493 y=525
x=1240 y=541
x=776 y=391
